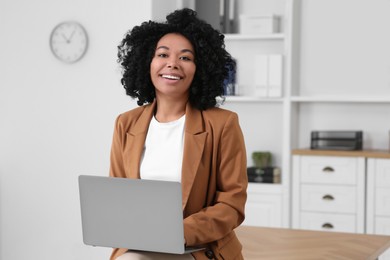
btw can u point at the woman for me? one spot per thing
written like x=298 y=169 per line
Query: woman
x=176 y=70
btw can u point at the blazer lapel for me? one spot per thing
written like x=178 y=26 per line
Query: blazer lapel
x=194 y=142
x=136 y=140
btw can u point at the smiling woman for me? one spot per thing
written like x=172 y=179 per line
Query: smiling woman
x=176 y=70
x=172 y=70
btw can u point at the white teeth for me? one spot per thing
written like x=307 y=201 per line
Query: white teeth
x=170 y=77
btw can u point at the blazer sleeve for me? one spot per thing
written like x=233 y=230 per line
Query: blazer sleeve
x=116 y=157
x=214 y=222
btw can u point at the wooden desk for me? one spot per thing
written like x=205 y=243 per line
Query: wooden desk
x=289 y=244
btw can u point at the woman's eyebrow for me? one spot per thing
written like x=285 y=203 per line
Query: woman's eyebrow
x=183 y=50
x=162 y=47
x=187 y=50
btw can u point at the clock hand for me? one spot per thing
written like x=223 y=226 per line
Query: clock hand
x=71 y=36
x=66 y=39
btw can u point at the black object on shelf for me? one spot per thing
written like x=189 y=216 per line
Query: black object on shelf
x=337 y=140
x=229 y=83
x=264 y=174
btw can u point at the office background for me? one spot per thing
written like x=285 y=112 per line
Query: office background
x=56 y=119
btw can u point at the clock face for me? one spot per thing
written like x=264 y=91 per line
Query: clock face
x=69 y=41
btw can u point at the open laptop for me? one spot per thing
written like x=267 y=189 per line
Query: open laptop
x=136 y=214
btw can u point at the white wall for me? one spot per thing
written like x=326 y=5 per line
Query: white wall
x=345 y=47
x=345 y=53
x=56 y=121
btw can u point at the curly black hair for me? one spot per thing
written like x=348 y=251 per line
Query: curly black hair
x=213 y=62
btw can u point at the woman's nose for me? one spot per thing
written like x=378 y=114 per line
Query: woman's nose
x=172 y=63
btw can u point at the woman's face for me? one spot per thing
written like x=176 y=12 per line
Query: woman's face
x=173 y=66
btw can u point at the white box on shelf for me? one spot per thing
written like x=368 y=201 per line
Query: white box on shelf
x=268 y=75
x=258 y=24
x=261 y=75
x=275 y=76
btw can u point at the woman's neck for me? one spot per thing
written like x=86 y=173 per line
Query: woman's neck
x=169 y=111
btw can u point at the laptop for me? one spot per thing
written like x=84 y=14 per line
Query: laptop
x=137 y=214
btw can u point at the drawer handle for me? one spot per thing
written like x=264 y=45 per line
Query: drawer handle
x=328 y=169
x=328 y=197
x=327 y=226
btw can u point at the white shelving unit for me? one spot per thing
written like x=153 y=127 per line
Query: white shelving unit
x=333 y=79
x=251 y=37
x=268 y=204
x=329 y=82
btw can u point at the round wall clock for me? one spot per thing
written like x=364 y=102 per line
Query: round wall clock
x=69 y=41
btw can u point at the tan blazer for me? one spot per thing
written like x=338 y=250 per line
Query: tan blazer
x=214 y=179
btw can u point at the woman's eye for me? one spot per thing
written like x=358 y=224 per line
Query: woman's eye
x=162 y=55
x=185 y=58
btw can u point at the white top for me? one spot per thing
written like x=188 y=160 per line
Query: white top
x=163 y=152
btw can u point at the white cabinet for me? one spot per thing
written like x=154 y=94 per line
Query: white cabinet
x=378 y=198
x=264 y=205
x=346 y=191
x=329 y=193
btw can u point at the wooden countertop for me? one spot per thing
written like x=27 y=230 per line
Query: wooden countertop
x=293 y=244
x=361 y=153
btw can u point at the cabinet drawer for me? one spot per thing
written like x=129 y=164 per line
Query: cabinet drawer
x=382 y=202
x=329 y=170
x=328 y=222
x=383 y=173
x=323 y=198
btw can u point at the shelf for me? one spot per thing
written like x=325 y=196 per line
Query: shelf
x=311 y=99
x=240 y=37
x=343 y=99
x=357 y=153
x=252 y=99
